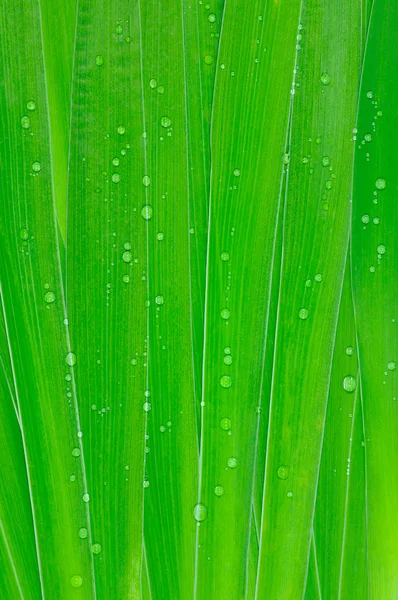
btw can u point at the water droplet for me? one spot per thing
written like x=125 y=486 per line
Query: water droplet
x=126 y=279
x=381 y=249
x=227 y=350
x=76 y=581
x=161 y=89
x=225 y=423
x=237 y=172
x=96 y=548
x=25 y=122
x=160 y=236
x=380 y=184
x=200 y=512
x=165 y=122
x=283 y=472
x=153 y=83
x=303 y=314
x=147 y=406
x=99 y=60
x=228 y=359
x=308 y=283
x=289 y=494
x=146 y=212
x=119 y=29
x=127 y=256
x=116 y=178
x=368 y=137
x=86 y=497
x=232 y=462
x=23 y=234
x=349 y=383
x=226 y=381
x=369 y=94
x=286 y=158
x=318 y=277
x=159 y=300
x=146 y=181
x=49 y=297
x=76 y=452
x=325 y=78
x=391 y=366
x=121 y=130
x=209 y=59
x=31 y=105
x=365 y=219
x=219 y=490
x=224 y=256
x=36 y=166
x=325 y=161
x=212 y=18
x=70 y=359
x=349 y=350
x=82 y=533
x=116 y=161
x=225 y=313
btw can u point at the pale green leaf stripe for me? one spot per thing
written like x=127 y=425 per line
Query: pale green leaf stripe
x=30 y=268
x=375 y=286
x=315 y=236
x=253 y=82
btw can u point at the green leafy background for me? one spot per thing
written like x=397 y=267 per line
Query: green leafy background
x=198 y=287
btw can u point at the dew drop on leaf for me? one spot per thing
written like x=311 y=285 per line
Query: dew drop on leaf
x=96 y=548
x=212 y=18
x=325 y=161
x=237 y=172
x=226 y=381
x=325 y=78
x=76 y=581
x=36 y=166
x=23 y=234
x=82 y=533
x=225 y=313
x=349 y=383
x=25 y=122
x=70 y=359
x=200 y=512
x=121 y=130
x=380 y=184
x=49 y=297
x=225 y=424
x=127 y=256
x=146 y=181
x=303 y=314
x=31 y=105
x=209 y=59
x=232 y=462
x=159 y=300
x=147 y=406
x=391 y=366
x=349 y=350
x=99 y=60
x=219 y=490
x=115 y=177
x=76 y=452
x=165 y=122
x=224 y=256
x=381 y=249
x=283 y=472
x=146 y=212
x=86 y=497
x=153 y=83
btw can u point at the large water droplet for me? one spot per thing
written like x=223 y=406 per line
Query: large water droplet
x=219 y=490
x=391 y=366
x=225 y=313
x=303 y=314
x=165 y=122
x=76 y=581
x=96 y=548
x=146 y=181
x=232 y=462
x=31 y=105
x=380 y=184
x=200 y=512
x=49 y=297
x=99 y=60
x=283 y=472
x=82 y=533
x=70 y=359
x=325 y=78
x=146 y=212
x=25 y=122
x=226 y=381
x=349 y=383
x=36 y=166
x=159 y=300
x=225 y=423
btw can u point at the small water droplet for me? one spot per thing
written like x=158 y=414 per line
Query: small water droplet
x=225 y=313
x=219 y=490
x=99 y=60
x=161 y=89
x=160 y=236
x=365 y=219
x=225 y=423
x=96 y=548
x=76 y=581
x=318 y=277
x=237 y=173
x=209 y=59
x=25 y=122
x=159 y=300
x=31 y=105
x=303 y=314
x=49 y=297
x=36 y=166
x=283 y=472
x=369 y=94
x=82 y=533
x=146 y=180
x=76 y=452
x=224 y=256
x=391 y=366
x=286 y=158
x=381 y=249
x=153 y=83
x=228 y=359
x=349 y=383
x=232 y=462
x=325 y=78
x=86 y=497
x=121 y=130
x=127 y=256
x=165 y=122
x=24 y=234
x=147 y=406
x=200 y=512
x=325 y=161
x=115 y=177
x=225 y=381
x=349 y=350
